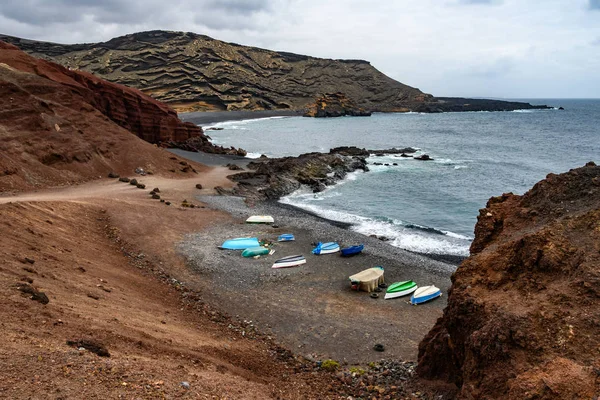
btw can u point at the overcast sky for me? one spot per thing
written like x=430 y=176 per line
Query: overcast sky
x=487 y=48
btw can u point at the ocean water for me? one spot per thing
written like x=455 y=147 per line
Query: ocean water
x=429 y=206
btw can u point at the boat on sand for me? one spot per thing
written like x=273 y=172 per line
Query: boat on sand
x=367 y=280
x=424 y=294
x=240 y=243
x=352 y=250
x=260 y=219
x=399 y=289
x=290 y=261
x=326 y=248
x=255 y=251
x=286 y=237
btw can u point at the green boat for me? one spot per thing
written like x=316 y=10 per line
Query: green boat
x=255 y=251
x=400 y=289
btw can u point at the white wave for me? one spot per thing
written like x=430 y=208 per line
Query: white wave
x=457 y=235
x=523 y=111
x=460 y=167
x=399 y=235
x=239 y=124
x=253 y=155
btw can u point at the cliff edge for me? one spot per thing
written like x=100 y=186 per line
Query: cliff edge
x=523 y=313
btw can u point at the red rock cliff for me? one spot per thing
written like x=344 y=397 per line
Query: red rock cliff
x=131 y=109
x=523 y=314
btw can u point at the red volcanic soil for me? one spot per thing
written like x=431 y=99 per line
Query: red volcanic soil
x=523 y=314
x=61 y=127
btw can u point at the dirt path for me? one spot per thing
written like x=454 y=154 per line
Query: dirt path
x=102 y=253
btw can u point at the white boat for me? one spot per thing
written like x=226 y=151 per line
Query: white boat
x=260 y=219
x=424 y=294
x=290 y=261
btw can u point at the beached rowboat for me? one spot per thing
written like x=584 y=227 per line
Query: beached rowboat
x=286 y=237
x=399 y=289
x=352 y=250
x=239 y=243
x=367 y=280
x=326 y=248
x=255 y=251
x=424 y=294
x=260 y=219
x=290 y=261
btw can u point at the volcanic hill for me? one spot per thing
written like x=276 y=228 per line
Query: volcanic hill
x=194 y=72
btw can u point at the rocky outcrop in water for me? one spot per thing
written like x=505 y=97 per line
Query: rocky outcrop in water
x=523 y=314
x=272 y=179
x=194 y=72
x=335 y=105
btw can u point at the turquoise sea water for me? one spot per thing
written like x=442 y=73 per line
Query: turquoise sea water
x=432 y=206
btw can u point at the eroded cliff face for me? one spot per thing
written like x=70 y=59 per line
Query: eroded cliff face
x=140 y=114
x=60 y=127
x=523 y=314
x=194 y=72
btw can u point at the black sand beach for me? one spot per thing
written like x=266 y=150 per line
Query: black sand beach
x=311 y=308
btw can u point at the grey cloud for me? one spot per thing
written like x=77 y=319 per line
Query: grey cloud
x=132 y=12
x=239 y=6
x=480 y=2
x=595 y=4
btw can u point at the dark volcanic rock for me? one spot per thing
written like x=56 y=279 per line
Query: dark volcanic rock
x=277 y=177
x=335 y=105
x=424 y=157
x=349 y=151
x=523 y=312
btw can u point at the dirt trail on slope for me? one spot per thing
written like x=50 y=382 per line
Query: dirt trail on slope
x=101 y=254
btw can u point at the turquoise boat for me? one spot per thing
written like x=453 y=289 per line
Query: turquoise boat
x=286 y=237
x=399 y=289
x=326 y=248
x=255 y=251
x=239 y=243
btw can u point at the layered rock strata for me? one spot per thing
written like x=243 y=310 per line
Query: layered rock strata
x=523 y=314
x=194 y=72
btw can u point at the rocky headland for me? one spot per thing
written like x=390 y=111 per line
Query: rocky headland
x=194 y=72
x=523 y=313
x=273 y=178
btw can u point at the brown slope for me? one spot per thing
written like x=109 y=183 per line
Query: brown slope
x=523 y=314
x=195 y=72
x=59 y=126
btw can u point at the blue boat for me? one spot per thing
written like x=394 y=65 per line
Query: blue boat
x=352 y=250
x=424 y=294
x=240 y=243
x=326 y=248
x=286 y=237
